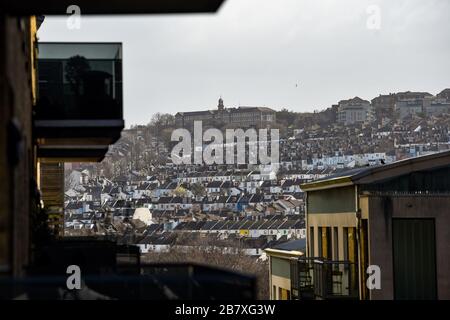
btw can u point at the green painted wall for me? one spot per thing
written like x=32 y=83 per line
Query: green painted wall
x=414 y=253
x=332 y=200
x=281 y=267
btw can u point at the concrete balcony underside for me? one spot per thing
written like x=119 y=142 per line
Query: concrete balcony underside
x=84 y=131
x=76 y=140
x=72 y=153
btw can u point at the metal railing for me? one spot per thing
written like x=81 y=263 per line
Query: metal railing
x=335 y=279
x=302 y=278
x=319 y=278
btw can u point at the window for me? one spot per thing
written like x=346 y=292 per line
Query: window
x=284 y=294
x=319 y=242
x=350 y=245
x=345 y=242
x=326 y=243
x=336 y=243
x=311 y=241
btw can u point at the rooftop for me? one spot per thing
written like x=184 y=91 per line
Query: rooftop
x=380 y=172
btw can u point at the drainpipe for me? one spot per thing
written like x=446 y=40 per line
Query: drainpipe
x=271 y=297
x=306 y=225
x=358 y=244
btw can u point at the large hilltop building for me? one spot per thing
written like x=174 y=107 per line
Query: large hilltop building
x=240 y=117
x=384 y=104
x=354 y=110
x=444 y=94
x=428 y=105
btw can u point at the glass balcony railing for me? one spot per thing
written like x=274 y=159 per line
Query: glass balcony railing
x=79 y=81
x=79 y=109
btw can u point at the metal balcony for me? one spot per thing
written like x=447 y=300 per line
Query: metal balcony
x=302 y=278
x=318 y=278
x=79 y=108
x=335 y=279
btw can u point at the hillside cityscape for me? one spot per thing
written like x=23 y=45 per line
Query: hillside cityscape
x=139 y=197
x=212 y=157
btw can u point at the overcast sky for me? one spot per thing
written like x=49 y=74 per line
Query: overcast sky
x=297 y=54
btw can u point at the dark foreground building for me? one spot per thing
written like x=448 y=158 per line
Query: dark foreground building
x=62 y=102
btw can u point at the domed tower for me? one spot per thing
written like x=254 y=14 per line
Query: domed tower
x=220 y=105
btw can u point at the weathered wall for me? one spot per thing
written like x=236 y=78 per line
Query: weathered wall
x=16 y=154
x=280 y=275
x=381 y=212
x=336 y=200
x=342 y=220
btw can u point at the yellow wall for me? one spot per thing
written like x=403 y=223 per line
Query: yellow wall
x=340 y=220
x=33 y=59
x=280 y=282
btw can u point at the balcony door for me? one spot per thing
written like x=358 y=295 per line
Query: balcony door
x=414 y=257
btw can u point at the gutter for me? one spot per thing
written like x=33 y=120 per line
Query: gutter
x=327 y=184
x=283 y=253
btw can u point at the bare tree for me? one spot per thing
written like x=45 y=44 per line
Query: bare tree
x=211 y=252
